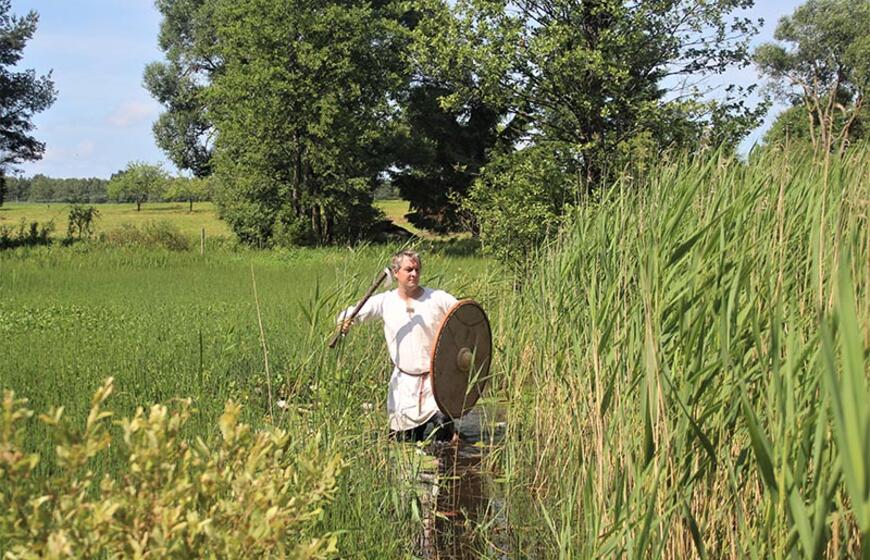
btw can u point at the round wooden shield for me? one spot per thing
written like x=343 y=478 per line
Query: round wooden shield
x=461 y=357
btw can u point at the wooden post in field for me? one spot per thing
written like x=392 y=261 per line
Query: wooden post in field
x=202 y=241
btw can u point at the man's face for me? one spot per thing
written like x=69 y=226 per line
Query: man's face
x=408 y=275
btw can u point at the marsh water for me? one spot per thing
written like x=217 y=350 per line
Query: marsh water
x=462 y=505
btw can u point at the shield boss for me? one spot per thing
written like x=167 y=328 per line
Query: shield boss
x=461 y=357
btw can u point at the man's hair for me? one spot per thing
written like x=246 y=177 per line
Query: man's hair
x=397 y=259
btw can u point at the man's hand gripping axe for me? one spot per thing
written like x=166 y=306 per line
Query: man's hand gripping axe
x=346 y=322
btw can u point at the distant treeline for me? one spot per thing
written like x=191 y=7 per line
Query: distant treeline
x=93 y=190
x=40 y=188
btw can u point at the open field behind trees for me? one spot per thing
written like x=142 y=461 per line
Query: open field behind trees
x=686 y=367
x=113 y=216
x=204 y=215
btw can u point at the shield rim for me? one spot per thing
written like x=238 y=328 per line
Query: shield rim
x=481 y=384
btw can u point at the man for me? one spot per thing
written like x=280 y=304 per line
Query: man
x=411 y=315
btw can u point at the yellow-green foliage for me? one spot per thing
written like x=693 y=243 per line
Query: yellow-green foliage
x=251 y=494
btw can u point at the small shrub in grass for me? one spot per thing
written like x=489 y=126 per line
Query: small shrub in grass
x=27 y=234
x=81 y=221
x=153 y=235
x=252 y=494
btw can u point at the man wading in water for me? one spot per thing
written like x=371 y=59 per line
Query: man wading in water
x=411 y=315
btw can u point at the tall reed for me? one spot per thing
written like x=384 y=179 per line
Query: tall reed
x=687 y=367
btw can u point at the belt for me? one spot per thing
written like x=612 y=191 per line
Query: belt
x=422 y=375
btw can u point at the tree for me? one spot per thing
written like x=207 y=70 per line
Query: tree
x=794 y=125
x=42 y=188
x=184 y=131
x=300 y=159
x=138 y=182
x=18 y=188
x=22 y=94
x=191 y=189
x=589 y=76
x=519 y=202
x=80 y=221
x=824 y=71
x=440 y=155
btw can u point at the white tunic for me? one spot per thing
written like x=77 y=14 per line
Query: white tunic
x=409 y=327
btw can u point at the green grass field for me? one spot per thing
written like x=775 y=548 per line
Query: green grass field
x=168 y=325
x=113 y=216
x=685 y=369
x=395 y=211
x=204 y=216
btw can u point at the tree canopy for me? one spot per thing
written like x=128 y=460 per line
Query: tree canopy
x=138 y=183
x=822 y=70
x=308 y=149
x=184 y=131
x=301 y=110
x=22 y=93
x=593 y=76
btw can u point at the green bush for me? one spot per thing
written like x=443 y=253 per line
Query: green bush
x=27 y=234
x=154 y=235
x=518 y=201
x=290 y=230
x=252 y=494
x=81 y=221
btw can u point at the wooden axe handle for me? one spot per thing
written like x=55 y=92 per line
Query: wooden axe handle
x=378 y=281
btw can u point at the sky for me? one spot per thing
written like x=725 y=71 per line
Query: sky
x=97 y=50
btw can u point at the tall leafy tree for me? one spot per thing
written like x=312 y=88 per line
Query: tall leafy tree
x=303 y=113
x=440 y=154
x=594 y=75
x=138 y=182
x=22 y=93
x=822 y=70
x=184 y=131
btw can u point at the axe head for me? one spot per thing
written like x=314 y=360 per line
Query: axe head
x=389 y=280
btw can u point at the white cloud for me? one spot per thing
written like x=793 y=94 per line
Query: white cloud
x=131 y=113
x=82 y=150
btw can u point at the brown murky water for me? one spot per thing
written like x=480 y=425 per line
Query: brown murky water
x=462 y=504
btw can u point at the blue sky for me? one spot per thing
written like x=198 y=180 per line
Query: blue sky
x=97 y=51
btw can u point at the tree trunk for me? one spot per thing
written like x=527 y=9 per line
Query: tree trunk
x=190 y=200
x=138 y=205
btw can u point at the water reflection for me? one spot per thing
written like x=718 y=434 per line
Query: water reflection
x=459 y=497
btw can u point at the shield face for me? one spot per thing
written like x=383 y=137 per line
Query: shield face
x=461 y=357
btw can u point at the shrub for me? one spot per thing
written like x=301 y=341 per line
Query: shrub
x=518 y=201
x=250 y=495
x=292 y=231
x=26 y=234
x=161 y=234
x=81 y=221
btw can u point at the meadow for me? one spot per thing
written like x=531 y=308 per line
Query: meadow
x=168 y=325
x=684 y=369
x=114 y=215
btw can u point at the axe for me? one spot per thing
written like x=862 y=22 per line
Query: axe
x=384 y=274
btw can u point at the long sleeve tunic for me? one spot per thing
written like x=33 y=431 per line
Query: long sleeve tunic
x=409 y=328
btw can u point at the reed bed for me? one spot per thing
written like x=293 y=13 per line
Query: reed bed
x=687 y=367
